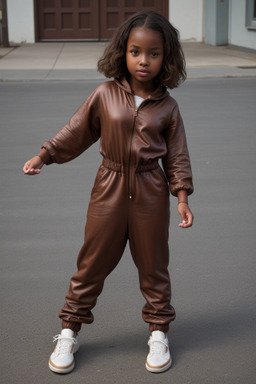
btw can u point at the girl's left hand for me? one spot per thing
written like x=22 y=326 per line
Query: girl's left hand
x=186 y=215
x=33 y=166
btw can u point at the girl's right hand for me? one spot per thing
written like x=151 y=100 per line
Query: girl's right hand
x=33 y=166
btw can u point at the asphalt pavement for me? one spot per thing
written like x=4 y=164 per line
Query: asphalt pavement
x=212 y=265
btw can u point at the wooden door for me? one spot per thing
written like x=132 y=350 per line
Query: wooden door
x=87 y=19
x=67 y=19
x=113 y=12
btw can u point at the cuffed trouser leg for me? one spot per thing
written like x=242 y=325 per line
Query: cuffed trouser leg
x=75 y=327
x=99 y=255
x=148 y=236
x=105 y=240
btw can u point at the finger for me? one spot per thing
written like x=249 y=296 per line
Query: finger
x=190 y=219
x=35 y=171
x=187 y=222
x=32 y=172
x=25 y=168
x=190 y=222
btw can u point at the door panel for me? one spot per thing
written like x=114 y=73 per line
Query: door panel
x=87 y=19
x=68 y=19
x=113 y=12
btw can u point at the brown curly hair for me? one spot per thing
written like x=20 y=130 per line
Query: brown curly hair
x=113 y=63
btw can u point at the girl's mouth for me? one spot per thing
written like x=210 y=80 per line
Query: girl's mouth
x=142 y=72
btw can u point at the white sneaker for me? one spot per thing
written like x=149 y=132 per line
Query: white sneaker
x=62 y=358
x=159 y=358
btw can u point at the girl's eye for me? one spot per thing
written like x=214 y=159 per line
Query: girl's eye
x=134 y=52
x=155 y=54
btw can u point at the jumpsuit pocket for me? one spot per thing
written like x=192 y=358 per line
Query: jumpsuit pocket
x=163 y=177
x=153 y=185
x=100 y=175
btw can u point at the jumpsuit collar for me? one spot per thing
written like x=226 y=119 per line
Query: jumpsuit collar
x=158 y=94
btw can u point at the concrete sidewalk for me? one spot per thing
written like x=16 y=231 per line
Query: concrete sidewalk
x=78 y=61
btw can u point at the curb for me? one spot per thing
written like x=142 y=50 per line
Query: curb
x=93 y=75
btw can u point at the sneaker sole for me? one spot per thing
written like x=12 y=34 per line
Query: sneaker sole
x=68 y=369
x=160 y=369
x=61 y=370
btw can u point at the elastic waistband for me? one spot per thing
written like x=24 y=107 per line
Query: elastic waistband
x=123 y=169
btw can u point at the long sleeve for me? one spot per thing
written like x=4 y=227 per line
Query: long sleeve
x=177 y=161
x=78 y=134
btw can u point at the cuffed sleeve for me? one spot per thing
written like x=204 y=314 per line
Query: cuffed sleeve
x=44 y=156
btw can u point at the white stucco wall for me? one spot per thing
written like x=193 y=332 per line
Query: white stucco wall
x=238 y=33
x=21 y=21
x=187 y=17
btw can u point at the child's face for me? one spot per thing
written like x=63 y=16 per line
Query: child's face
x=144 y=55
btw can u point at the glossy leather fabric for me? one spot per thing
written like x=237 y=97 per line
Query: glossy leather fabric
x=130 y=198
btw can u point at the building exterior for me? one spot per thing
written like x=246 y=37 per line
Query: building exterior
x=230 y=22
x=216 y=22
x=242 y=34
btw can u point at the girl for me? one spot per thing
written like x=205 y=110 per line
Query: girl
x=138 y=123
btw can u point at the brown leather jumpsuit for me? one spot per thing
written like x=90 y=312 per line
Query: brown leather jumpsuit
x=130 y=197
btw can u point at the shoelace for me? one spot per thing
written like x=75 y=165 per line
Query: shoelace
x=64 y=343
x=157 y=346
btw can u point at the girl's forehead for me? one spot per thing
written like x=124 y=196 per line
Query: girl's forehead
x=146 y=36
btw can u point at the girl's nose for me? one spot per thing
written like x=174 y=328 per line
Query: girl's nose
x=143 y=60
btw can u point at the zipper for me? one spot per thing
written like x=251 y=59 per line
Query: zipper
x=130 y=168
